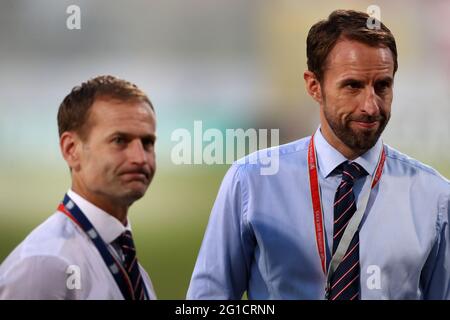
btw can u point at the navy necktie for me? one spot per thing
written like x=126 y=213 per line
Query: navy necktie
x=125 y=241
x=345 y=282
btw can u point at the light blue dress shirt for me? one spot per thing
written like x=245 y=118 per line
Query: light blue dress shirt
x=260 y=237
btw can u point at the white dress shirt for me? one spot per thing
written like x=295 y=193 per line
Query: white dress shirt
x=57 y=260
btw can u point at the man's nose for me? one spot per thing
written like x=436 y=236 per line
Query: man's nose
x=370 y=105
x=137 y=152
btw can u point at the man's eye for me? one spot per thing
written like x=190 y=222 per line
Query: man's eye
x=148 y=143
x=383 y=86
x=119 y=140
x=354 y=85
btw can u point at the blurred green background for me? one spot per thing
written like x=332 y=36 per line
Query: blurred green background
x=231 y=64
x=168 y=223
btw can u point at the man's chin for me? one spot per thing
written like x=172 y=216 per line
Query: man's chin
x=364 y=140
x=134 y=193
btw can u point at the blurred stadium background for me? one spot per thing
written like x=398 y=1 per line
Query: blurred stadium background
x=231 y=64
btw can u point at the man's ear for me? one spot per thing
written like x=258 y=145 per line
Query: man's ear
x=313 y=86
x=70 y=144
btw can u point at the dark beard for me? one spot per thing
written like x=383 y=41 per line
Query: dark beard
x=359 y=141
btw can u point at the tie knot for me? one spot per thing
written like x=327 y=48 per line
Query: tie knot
x=125 y=240
x=352 y=171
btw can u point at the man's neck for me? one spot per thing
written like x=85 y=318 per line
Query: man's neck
x=117 y=210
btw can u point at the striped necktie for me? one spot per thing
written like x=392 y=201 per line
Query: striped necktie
x=345 y=282
x=125 y=241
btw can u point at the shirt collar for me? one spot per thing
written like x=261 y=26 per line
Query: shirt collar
x=107 y=226
x=329 y=158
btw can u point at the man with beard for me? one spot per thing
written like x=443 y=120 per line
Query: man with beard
x=85 y=250
x=346 y=217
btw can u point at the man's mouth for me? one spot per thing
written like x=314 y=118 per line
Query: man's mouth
x=367 y=124
x=141 y=175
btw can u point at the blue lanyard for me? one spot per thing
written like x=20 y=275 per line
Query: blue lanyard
x=70 y=209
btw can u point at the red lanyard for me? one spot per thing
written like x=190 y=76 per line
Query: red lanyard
x=317 y=202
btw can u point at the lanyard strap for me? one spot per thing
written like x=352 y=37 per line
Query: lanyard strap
x=355 y=221
x=71 y=210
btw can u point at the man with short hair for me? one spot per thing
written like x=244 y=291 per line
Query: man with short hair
x=85 y=250
x=346 y=217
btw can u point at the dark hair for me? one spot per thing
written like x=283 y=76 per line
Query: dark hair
x=73 y=112
x=344 y=24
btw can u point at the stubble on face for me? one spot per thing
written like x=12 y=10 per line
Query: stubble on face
x=358 y=140
x=356 y=95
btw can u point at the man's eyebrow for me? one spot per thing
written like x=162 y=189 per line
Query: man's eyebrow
x=150 y=136
x=119 y=133
x=387 y=79
x=349 y=80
